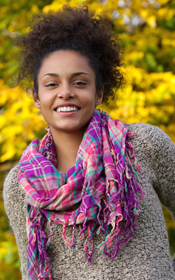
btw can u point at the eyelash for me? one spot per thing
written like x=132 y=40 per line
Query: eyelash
x=51 y=85
x=80 y=83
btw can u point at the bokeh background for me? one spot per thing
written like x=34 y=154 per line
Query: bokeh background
x=147 y=33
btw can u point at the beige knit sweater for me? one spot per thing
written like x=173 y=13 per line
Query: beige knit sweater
x=146 y=256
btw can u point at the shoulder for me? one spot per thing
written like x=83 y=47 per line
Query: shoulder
x=151 y=136
x=12 y=193
x=148 y=131
x=11 y=182
x=12 y=176
x=152 y=146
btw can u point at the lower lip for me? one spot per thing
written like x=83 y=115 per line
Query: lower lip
x=67 y=113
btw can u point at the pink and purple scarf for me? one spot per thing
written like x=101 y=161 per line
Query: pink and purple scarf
x=100 y=190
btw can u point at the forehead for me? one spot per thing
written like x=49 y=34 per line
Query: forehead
x=65 y=62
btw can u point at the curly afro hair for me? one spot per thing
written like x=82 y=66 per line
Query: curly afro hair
x=75 y=29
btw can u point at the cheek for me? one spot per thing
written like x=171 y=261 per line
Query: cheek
x=90 y=105
x=45 y=98
x=91 y=98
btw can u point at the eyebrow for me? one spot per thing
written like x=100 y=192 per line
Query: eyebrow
x=72 y=75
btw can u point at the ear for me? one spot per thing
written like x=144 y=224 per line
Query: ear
x=36 y=99
x=99 y=96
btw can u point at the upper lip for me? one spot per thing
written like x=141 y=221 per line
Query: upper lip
x=66 y=105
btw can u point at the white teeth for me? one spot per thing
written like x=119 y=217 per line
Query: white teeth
x=67 y=109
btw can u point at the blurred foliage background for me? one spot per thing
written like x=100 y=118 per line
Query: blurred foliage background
x=146 y=29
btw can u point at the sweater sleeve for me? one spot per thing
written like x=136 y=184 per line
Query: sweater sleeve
x=15 y=206
x=163 y=164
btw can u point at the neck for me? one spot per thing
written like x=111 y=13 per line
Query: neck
x=67 y=145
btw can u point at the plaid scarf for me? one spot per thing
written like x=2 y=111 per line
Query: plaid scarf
x=99 y=191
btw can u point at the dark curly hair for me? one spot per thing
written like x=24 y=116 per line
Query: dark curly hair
x=74 y=29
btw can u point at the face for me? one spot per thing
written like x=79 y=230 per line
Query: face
x=67 y=93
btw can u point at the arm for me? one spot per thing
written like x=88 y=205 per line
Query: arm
x=15 y=206
x=163 y=163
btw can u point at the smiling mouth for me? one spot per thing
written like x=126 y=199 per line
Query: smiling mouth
x=67 y=109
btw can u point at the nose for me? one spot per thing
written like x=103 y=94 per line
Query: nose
x=65 y=91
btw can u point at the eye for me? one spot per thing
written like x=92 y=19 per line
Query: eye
x=51 y=85
x=80 y=83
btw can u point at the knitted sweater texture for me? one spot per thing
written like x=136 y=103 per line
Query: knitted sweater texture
x=146 y=256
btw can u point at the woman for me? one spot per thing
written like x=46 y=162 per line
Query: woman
x=81 y=184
